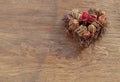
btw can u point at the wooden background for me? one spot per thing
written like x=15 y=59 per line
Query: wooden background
x=34 y=48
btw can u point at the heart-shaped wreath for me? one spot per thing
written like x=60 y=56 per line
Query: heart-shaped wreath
x=86 y=26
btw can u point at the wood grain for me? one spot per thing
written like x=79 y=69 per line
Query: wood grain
x=34 y=47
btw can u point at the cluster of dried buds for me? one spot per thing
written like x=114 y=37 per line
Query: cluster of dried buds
x=86 y=26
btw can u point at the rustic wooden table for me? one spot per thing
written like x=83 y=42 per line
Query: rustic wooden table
x=34 y=48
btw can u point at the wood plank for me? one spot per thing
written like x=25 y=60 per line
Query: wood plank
x=34 y=47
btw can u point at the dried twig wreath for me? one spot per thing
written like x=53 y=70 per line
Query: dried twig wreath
x=86 y=26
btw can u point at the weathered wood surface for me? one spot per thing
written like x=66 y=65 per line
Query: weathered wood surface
x=34 y=48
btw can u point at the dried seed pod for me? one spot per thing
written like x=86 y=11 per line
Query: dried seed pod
x=73 y=24
x=92 y=35
x=94 y=15
x=102 y=20
x=91 y=11
x=80 y=30
x=102 y=17
x=86 y=34
x=92 y=28
x=94 y=11
x=96 y=25
x=67 y=18
x=75 y=13
x=102 y=12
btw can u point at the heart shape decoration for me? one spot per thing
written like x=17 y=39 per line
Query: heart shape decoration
x=86 y=26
